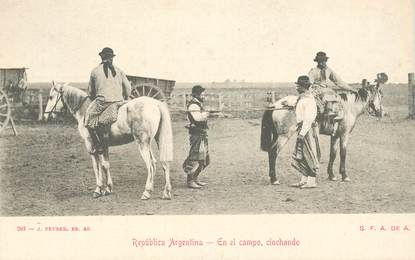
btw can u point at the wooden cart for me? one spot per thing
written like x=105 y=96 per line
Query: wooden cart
x=160 y=89
x=13 y=84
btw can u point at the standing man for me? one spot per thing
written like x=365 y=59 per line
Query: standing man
x=107 y=85
x=307 y=149
x=198 y=158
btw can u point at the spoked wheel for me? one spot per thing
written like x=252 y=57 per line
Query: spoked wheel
x=148 y=90
x=5 y=111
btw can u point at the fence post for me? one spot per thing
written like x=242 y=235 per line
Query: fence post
x=40 y=116
x=411 y=95
x=220 y=102
x=184 y=101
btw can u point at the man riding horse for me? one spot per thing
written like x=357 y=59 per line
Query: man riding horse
x=326 y=82
x=107 y=85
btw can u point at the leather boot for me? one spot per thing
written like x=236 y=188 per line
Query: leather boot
x=96 y=142
x=196 y=179
x=100 y=143
x=191 y=183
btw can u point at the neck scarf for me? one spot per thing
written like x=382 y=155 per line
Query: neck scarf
x=323 y=74
x=108 y=65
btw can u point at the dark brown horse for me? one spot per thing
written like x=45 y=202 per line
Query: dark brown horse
x=279 y=125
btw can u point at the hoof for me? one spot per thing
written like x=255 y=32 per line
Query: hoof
x=107 y=191
x=166 y=196
x=332 y=178
x=346 y=179
x=146 y=195
x=96 y=195
x=276 y=182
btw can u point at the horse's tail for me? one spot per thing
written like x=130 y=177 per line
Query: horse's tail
x=164 y=135
x=267 y=131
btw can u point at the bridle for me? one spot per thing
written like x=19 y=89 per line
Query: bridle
x=60 y=98
x=371 y=109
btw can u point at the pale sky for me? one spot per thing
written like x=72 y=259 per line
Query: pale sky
x=212 y=40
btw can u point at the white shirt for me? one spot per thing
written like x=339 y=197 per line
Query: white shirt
x=197 y=114
x=112 y=88
x=306 y=112
x=331 y=80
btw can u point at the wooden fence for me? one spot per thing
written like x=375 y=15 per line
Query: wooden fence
x=228 y=103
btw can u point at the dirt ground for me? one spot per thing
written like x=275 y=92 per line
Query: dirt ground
x=46 y=171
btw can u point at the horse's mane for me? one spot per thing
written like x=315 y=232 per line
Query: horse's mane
x=74 y=97
x=362 y=94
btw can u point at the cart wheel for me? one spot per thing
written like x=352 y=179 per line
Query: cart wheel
x=148 y=90
x=5 y=111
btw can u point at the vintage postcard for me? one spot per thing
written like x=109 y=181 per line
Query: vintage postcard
x=207 y=129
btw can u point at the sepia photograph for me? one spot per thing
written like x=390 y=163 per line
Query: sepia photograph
x=207 y=129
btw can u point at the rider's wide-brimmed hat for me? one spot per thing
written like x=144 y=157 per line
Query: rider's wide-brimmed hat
x=107 y=52
x=197 y=90
x=321 y=56
x=303 y=81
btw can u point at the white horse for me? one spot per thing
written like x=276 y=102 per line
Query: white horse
x=142 y=119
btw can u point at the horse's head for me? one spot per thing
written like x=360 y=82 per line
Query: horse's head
x=55 y=103
x=374 y=94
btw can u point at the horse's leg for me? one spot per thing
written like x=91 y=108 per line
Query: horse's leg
x=343 y=151
x=278 y=145
x=166 y=169
x=96 y=163
x=145 y=153
x=272 y=159
x=97 y=171
x=106 y=169
x=333 y=152
x=104 y=166
x=167 y=187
